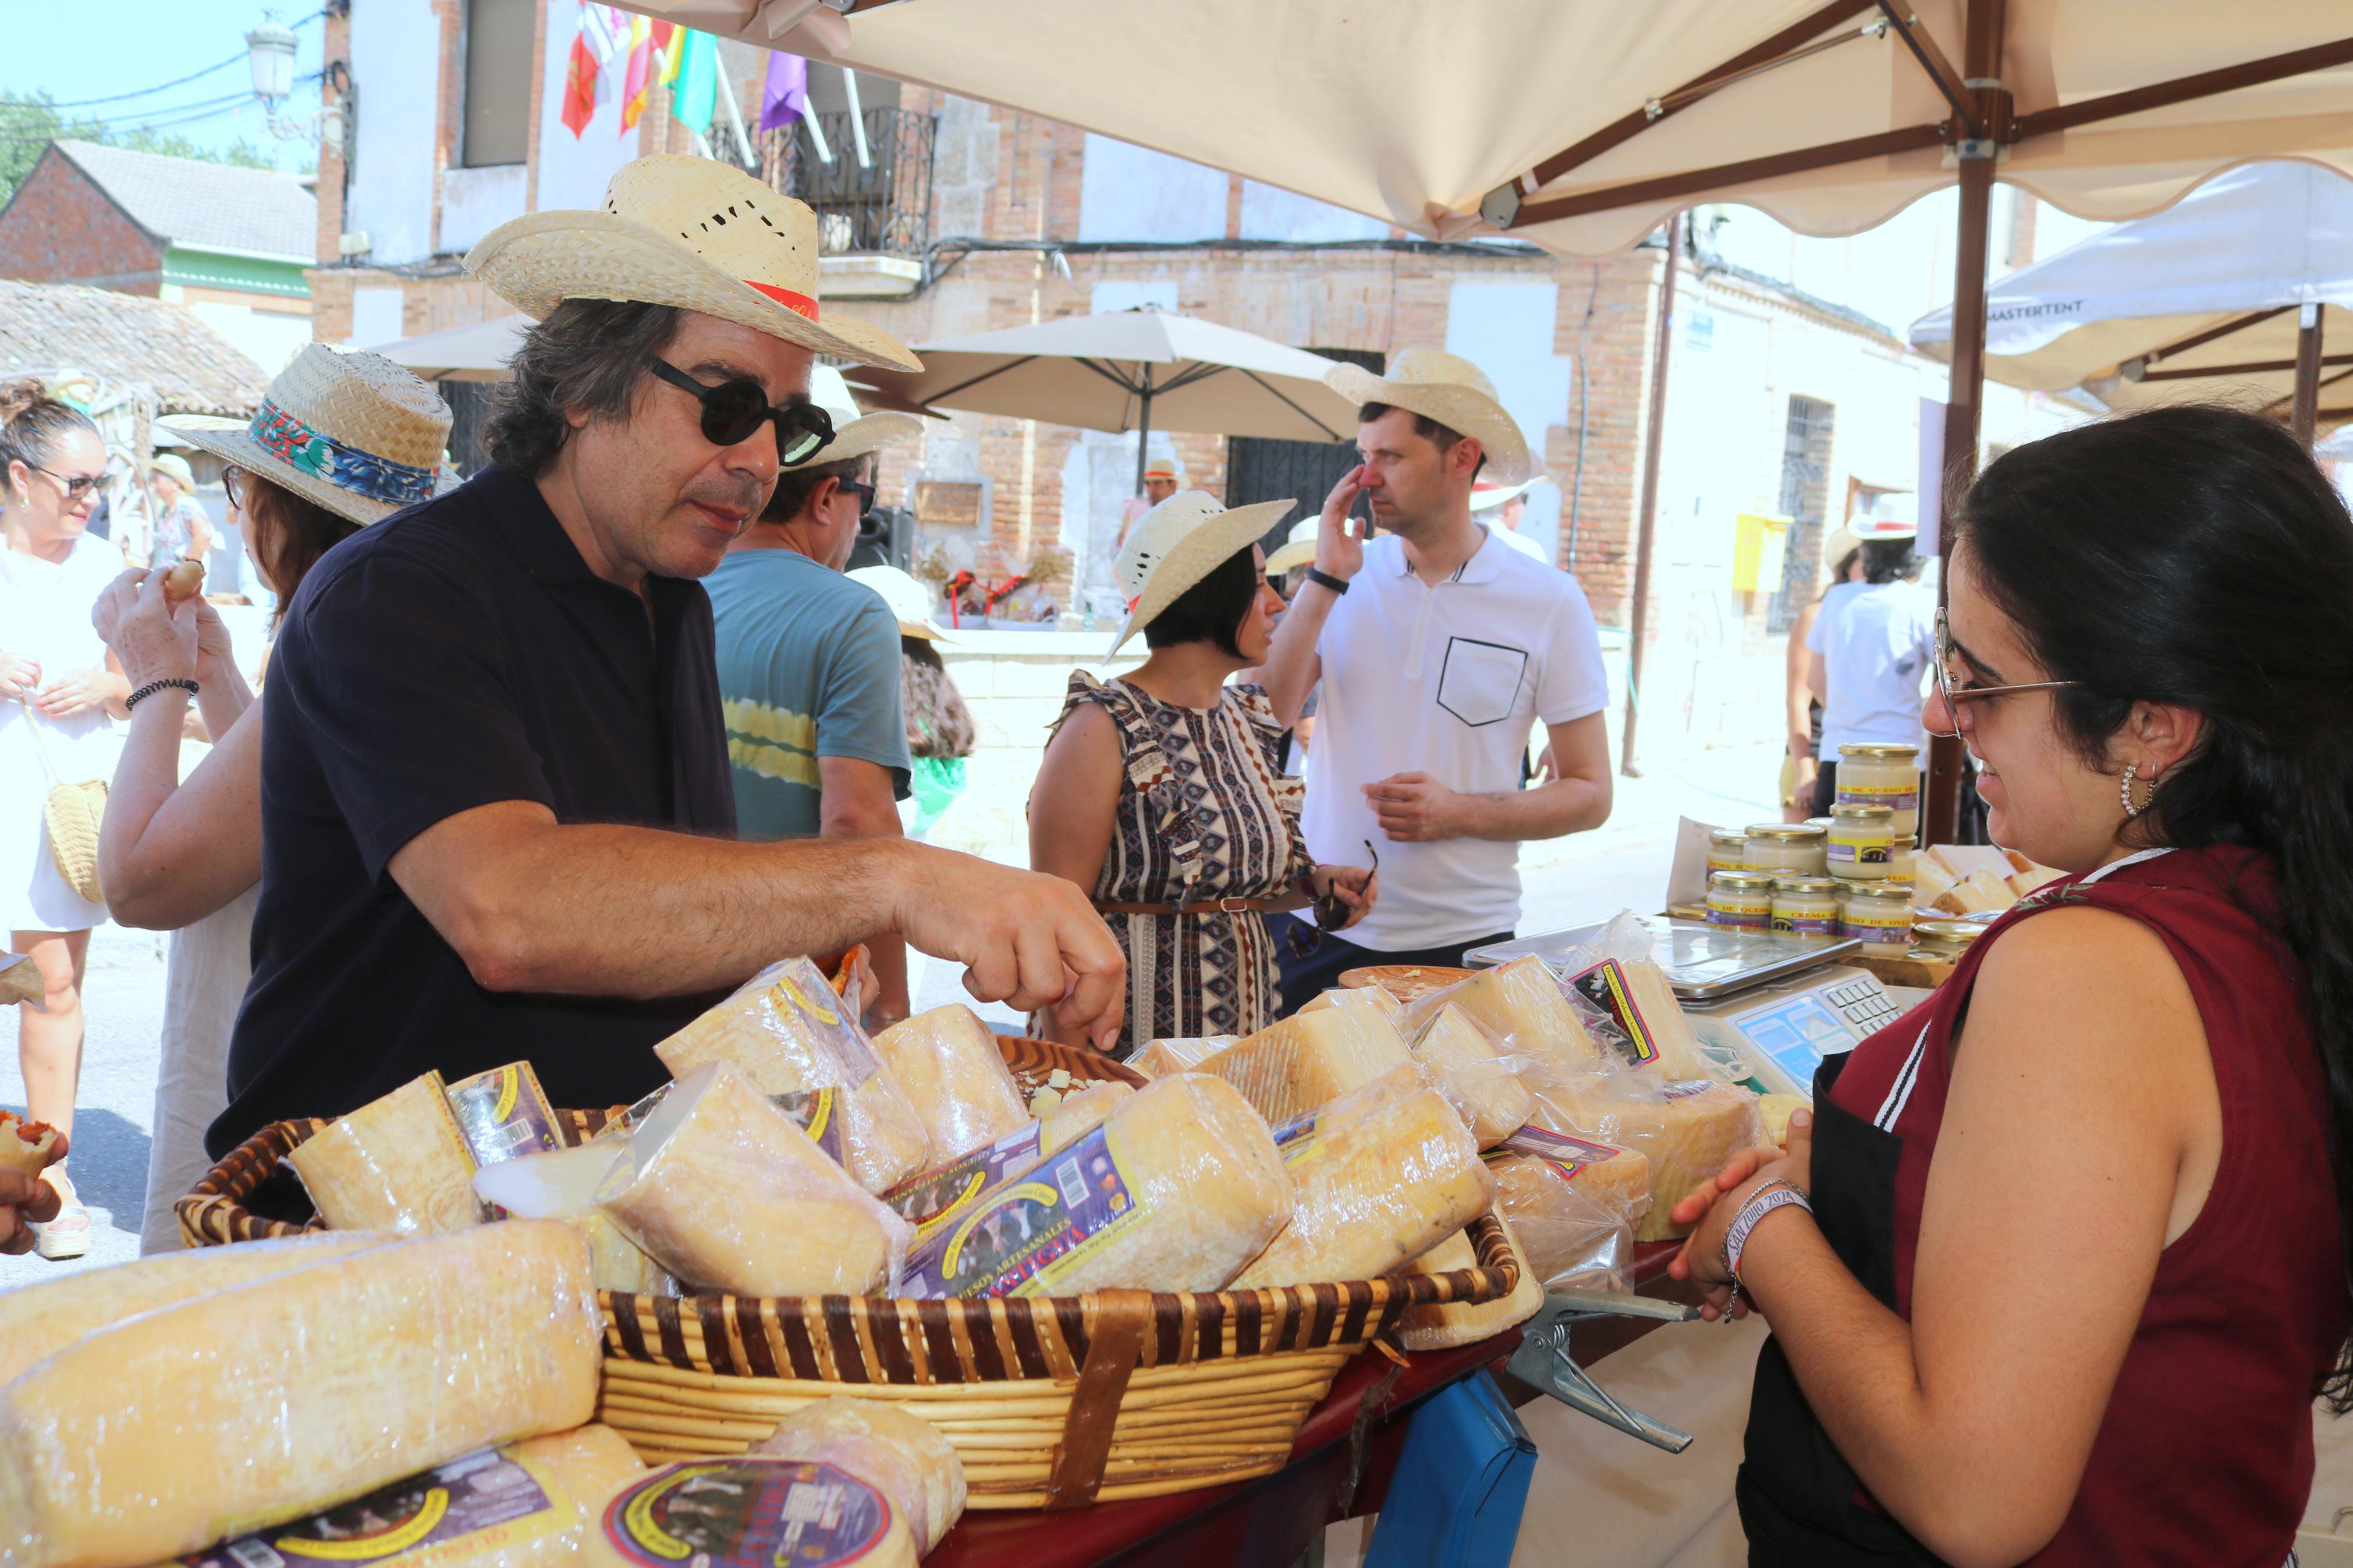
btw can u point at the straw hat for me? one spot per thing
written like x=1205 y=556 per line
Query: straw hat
x=350 y=430
x=684 y=231
x=1486 y=495
x=1298 y=549
x=1866 y=529
x=1451 y=390
x=175 y=467
x=854 y=434
x=908 y=600
x=1162 y=468
x=1178 y=543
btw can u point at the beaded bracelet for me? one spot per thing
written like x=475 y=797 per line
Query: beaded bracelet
x=151 y=687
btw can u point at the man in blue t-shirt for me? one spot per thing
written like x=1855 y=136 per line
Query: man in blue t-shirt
x=809 y=660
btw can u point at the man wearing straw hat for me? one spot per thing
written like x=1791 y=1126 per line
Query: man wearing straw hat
x=1161 y=477
x=809 y=660
x=497 y=813
x=1434 y=650
x=1501 y=507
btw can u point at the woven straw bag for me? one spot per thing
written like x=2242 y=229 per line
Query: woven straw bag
x=73 y=813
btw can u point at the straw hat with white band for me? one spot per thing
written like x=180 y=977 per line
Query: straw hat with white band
x=1486 y=497
x=684 y=231
x=908 y=600
x=1864 y=529
x=1163 y=468
x=1298 y=547
x=1452 y=391
x=854 y=434
x=1178 y=543
x=350 y=430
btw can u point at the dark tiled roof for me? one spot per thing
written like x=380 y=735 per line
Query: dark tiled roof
x=129 y=340
x=186 y=201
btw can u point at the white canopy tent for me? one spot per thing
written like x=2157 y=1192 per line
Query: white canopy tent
x=2205 y=296
x=477 y=352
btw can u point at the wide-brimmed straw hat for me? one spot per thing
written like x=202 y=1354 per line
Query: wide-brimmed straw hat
x=1178 y=543
x=1866 y=529
x=684 y=231
x=910 y=602
x=854 y=434
x=1452 y=391
x=350 y=430
x=1486 y=495
x=1163 y=468
x=1298 y=548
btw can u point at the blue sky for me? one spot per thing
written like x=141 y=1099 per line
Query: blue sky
x=95 y=48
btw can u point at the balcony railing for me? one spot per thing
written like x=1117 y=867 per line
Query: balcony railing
x=881 y=205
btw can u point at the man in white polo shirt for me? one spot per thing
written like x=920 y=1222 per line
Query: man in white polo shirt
x=1437 y=648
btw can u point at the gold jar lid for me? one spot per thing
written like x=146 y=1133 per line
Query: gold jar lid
x=1852 y=815
x=1786 y=832
x=1727 y=837
x=1740 y=881
x=1960 y=934
x=1879 y=751
x=1890 y=892
x=1827 y=886
x=1821 y=822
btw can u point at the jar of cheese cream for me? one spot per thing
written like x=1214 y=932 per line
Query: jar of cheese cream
x=1806 y=906
x=1860 y=838
x=1787 y=849
x=1878 y=914
x=1882 y=775
x=1740 y=898
x=1727 y=850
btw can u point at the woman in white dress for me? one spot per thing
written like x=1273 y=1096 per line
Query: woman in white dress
x=186 y=858
x=57 y=686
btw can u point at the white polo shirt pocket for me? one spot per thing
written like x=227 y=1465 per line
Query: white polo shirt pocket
x=1479 y=681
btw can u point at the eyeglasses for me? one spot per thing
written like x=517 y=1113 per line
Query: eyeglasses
x=75 y=486
x=1955 y=696
x=1331 y=913
x=233 y=481
x=733 y=409
x=864 y=492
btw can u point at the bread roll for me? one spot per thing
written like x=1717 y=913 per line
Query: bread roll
x=1686 y=1129
x=1479 y=1082
x=26 y=1147
x=1310 y=1059
x=946 y=1063
x=898 y=1453
x=1437 y=1328
x=397 y=1164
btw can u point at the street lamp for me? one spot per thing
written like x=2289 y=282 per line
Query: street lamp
x=270 y=49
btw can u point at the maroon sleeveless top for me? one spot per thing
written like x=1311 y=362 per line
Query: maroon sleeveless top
x=2204 y=1455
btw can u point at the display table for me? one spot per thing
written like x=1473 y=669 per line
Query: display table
x=1270 y=1521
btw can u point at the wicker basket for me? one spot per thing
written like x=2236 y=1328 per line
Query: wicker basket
x=1052 y=1401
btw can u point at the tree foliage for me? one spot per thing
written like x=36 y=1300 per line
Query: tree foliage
x=29 y=122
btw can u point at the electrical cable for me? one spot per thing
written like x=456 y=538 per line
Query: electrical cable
x=183 y=81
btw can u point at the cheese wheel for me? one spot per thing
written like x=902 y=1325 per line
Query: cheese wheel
x=786 y=1032
x=1439 y=1328
x=898 y=1453
x=269 y=1401
x=1521 y=1005
x=1080 y=1114
x=1381 y=1176
x=1687 y=1129
x=563 y=1185
x=1310 y=1059
x=26 y=1147
x=755 y=1511
x=35 y=1319
x=727 y=1192
x=1480 y=1083
x=947 y=1064
x=1373 y=996
x=395 y=1164
x=1159 y=1059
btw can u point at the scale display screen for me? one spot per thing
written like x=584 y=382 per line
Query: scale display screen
x=1797 y=1032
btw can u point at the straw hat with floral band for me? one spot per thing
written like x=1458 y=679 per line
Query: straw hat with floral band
x=352 y=431
x=1451 y=390
x=1298 y=547
x=854 y=434
x=908 y=600
x=1178 y=543
x=688 y=232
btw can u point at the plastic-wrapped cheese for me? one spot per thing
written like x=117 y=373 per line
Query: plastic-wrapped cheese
x=35 y=1319
x=1379 y=1177
x=786 y=1032
x=1521 y=1005
x=755 y=1510
x=1373 y=996
x=395 y=1164
x=1080 y=1114
x=1686 y=1128
x=946 y=1063
x=1776 y=1109
x=898 y=1453
x=563 y=1185
x=1179 y=1188
x=539 y=1503
x=725 y=1192
x=1443 y=1327
x=266 y=1402
x=1161 y=1058
x=1310 y=1059
x=1477 y=1076
x=1662 y=1016
x=1573 y=1206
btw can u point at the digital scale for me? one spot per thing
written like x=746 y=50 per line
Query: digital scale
x=1782 y=1003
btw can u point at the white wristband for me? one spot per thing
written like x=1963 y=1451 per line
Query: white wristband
x=1759 y=1205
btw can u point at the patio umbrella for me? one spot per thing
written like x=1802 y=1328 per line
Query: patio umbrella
x=1131 y=370
x=477 y=352
x=2209 y=294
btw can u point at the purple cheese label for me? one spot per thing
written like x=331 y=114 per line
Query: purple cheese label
x=1565 y=1154
x=931 y=1198
x=815 y=1111
x=503 y=1114
x=1021 y=1237
x=1605 y=991
x=485 y=1500
x=748 y=1512
x=797 y=989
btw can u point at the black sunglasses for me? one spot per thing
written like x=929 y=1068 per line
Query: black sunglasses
x=1331 y=913
x=864 y=492
x=733 y=409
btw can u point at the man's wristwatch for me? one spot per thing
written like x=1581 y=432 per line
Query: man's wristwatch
x=1337 y=584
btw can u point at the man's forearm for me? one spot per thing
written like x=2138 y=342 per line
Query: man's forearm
x=1548 y=811
x=862 y=807
x=1289 y=674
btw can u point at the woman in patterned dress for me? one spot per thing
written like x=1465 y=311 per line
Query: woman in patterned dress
x=1161 y=791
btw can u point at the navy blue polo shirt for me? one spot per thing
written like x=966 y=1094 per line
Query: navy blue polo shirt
x=457 y=655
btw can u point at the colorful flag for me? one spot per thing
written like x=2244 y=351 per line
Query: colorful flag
x=784 y=98
x=580 y=82
x=696 y=98
x=636 y=83
x=668 y=37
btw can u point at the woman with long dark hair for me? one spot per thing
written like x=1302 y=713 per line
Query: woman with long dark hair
x=2059 y=1265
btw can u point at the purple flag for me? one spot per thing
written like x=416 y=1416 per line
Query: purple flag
x=785 y=97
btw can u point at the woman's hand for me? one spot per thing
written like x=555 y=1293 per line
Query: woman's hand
x=1711 y=1208
x=18 y=676
x=1355 y=886
x=154 y=638
x=214 y=650
x=78 y=691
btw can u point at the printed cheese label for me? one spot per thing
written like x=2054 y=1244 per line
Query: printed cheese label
x=1684 y=1089
x=1604 y=989
x=748 y=1512
x=1807 y=925
x=931 y=1198
x=1023 y=1238
x=1565 y=1154
x=1902 y=797
x=817 y=1112
x=802 y=1000
x=1297 y=1137
x=503 y=1114
x=486 y=1502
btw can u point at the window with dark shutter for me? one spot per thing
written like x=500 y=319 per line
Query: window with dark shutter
x=498 y=79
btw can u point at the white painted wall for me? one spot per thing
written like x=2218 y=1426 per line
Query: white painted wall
x=1504 y=326
x=476 y=201
x=573 y=171
x=1127 y=294
x=268 y=338
x=1131 y=193
x=397 y=64
x=1271 y=213
x=375 y=317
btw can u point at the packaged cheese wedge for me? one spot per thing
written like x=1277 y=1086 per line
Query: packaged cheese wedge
x=26 y=1147
x=1373 y=997
x=947 y=1064
x=1523 y=1006
x=1460 y=1323
x=397 y=1164
x=756 y=1511
x=1979 y=893
x=267 y=1402
x=1159 y=1059
x=898 y=1453
x=1476 y=1075
x=1379 y=1177
x=35 y=1319
x=723 y=1191
x=1573 y=1206
x=1687 y=1129
x=1310 y=1059
x=539 y=1503
x=563 y=1185
x=786 y=1032
x=1080 y=1114
x=503 y=1114
x=1179 y=1188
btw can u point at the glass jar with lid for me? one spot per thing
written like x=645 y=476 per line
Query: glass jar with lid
x=1788 y=848
x=1861 y=838
x=1875 y=774
x=1945 y=941
x=1806 y=906
x=1726 y=850
x=1899 y=860
x=1877 y=914
x=1741 y=899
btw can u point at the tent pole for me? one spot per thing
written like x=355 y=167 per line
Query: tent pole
x=1638 y=616
x=1143 y=430
x=2307 y=373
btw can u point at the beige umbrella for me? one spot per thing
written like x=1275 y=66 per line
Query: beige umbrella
x=477 y=352
x=1130 y=370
